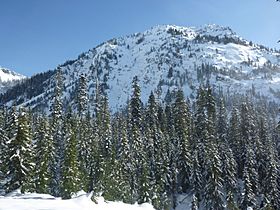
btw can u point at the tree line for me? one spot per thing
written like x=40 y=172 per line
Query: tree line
x=225 y=159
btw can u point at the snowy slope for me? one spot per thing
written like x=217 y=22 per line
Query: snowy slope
x=167 y=57
x=46 y=202
x=8 y=78
x=9 y=75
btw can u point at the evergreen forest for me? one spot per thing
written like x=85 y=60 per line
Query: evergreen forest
x=224 y=153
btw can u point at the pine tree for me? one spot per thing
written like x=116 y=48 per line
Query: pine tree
x=135 y=137
x=263 y=151
x=172 y=150
x=3 y=147
x=182 y=129
x=156 y=154
x=82 y=98
x=124 y=162
x=83 y=131
x=194 y=203
x=56 y=128
x=200 y=131
x=234 y=140
x=249 y=138
x=95 y=169
x=145 y=192
x=213 y=189
x=270 y=183
x=70 y=176
x=85 y=139
x=248 y=199
x=196 y=176
x=231 y=204
x=229 y=166
x=107 y=152
x=105 y=131
x=44 y=154
x=19 y=160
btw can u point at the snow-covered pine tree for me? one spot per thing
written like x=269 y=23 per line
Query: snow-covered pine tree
x=162 y=120
x=82 y=96
x=195 y=203
x=229 y=165
x=200 y=130
x=229 y=170
x=44 y=154
x=250 y=178
x=196 y=176
x=3 y=146
x=19 y=161
x=145 y=187
x=214 y=183
x=231 y=203
x=123 y=165
x=105 y=131
x=270 y=183
x=10 y=130
x=234 y=141
x=85 y=138
x=249 y=138
x=136 y=137
x=214 y=189
x=56 y=131
x=109 y=175
x=182 y=128
x=172 y=155
x=156 y=154
x=261 y=150
x=70 y=175
x=83 y=131
x=94 y=169
x=248 y=196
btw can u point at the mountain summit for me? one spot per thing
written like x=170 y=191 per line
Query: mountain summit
x=164 y=58
x=8 y=79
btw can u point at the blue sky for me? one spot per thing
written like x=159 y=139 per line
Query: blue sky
x=37 y=35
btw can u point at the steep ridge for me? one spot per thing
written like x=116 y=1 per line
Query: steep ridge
x=164 y=58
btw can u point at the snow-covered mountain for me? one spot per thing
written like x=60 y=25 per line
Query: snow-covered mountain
x=8 y=79
x=164 y=58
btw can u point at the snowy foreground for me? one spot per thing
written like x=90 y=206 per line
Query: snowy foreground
x=32 y=201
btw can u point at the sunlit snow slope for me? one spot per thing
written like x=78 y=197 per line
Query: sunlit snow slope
x=8 y=79
x=169 y=57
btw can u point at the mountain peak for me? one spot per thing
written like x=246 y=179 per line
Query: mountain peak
x=216 y=30
x=164 y=58
x=7 y=75
x=190 y=33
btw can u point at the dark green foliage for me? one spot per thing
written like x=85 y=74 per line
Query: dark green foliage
x=56 y=131
x=82 y=98
x=146 y=153
x=231 y=204
x=70 y=176
x=182 y=131
x=18 y=163
x=136 y=138
x=44 y=154
x=249 y=198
